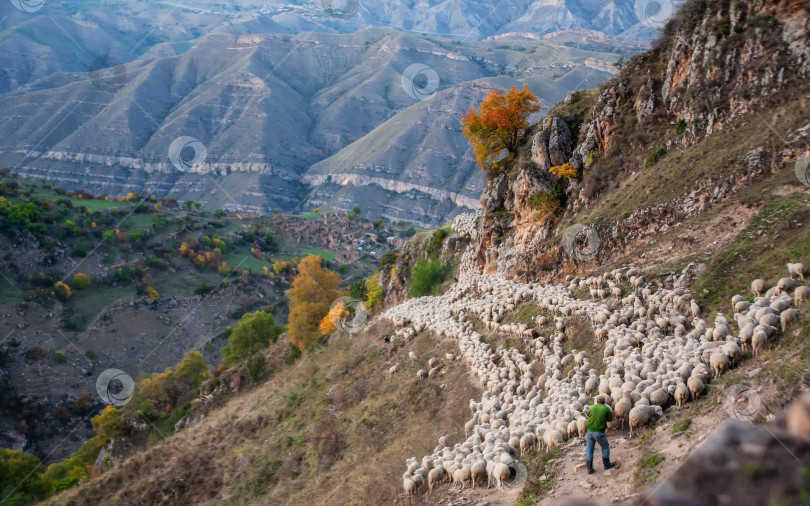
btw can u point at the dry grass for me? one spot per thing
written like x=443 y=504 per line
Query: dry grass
x=334 y=429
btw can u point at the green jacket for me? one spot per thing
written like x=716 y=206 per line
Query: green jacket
x=598 y=417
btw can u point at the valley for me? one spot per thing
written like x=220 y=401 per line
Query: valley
x=362 y=253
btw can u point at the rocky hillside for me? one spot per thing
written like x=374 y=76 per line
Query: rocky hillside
x=705 y=126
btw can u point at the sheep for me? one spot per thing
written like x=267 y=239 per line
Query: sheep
x=787 y=317
x=801 y=294
x=393 y=368
x=436 y=475
x=719 y=362
x=552 y=438
x=696 y=386
x=461 y=476
x=785 y=285
x=796 y=270
x=526 y=442
x=622 y=408
x=642 y=415
x=408 y=484
x=478 y=471
x=758 y=341
x=681 y=395
x=582 y=426
x=421 y=374
x=659 y=397
x=501 y=473
x=758 y=286
x=433 y=372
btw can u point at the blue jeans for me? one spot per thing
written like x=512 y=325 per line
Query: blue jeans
x=590 y=441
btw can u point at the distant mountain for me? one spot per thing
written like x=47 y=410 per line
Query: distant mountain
x=74 y=35
x=271 y=108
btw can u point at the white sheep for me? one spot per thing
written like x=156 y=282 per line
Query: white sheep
x=796 y=270
x=801 y=295
x=696 y=386
x=719 y=362
x=643 y=415
x=501 y=474
x=622 y=408
x=527 y=442
x=785 y=285
x=681 y=395
x=408 y=484
x=758 y=286
x=759 y=340
x=787 y=317
x=478 y=472
x=435 y=476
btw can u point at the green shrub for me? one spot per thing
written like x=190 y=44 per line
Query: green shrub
x=680 y=126
x=437 y=239
x=257 y=367
x=292 y=355
x=388 y=258
x=254 y=331
x=81 y=281
x=656 y=155
x=21 y=478
x=357 y=290
x=59 y=358
x=426 y=276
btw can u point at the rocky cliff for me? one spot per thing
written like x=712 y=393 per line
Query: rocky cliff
x=711 y=110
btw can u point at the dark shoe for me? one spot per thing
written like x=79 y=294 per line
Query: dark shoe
x=590 y=466
x=608 y=464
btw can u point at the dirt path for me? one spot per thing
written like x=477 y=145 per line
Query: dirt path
x=632 y=480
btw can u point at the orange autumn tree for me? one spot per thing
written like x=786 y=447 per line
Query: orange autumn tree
x=499 y=124
x=312 y=293
x=337 y=313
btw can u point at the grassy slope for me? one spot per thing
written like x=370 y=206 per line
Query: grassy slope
x=336 y=418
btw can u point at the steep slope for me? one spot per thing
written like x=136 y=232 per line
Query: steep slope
x=329 y=430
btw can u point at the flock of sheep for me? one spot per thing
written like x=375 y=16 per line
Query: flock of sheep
x=657 y=350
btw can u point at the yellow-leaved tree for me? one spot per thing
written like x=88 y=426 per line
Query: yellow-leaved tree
x=312 y=292
x=498 y=125
x=337 y=313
